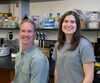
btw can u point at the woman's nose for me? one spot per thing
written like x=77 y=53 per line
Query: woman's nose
x=68 y=24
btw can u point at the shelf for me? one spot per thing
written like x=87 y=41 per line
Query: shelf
x=57 y=29
x=47 y=29
x=40 y=0
x=14 y=1
x=90 y=29
x=97 y=30
x=9 y=28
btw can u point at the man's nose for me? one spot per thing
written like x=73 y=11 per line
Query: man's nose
x=26 y=33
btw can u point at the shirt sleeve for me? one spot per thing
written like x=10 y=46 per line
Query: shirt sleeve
x=39 y=71
x=86 y=52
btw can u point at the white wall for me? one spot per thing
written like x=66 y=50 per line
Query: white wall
x=20 y=10
x=4 y=8
x=39 y=8
x=15 y=10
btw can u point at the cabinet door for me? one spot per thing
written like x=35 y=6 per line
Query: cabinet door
x=12 y=74
x=4 y=76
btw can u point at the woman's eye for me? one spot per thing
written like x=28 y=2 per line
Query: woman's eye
x=65 y=21
x=73 y=21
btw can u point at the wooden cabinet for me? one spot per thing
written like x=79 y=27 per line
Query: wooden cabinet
x=46 y=51
x=6 y=76
x=12 y=74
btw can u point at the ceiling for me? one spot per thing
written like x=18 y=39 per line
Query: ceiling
x=14 y=1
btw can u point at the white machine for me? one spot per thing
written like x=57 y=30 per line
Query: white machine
x=4 y=51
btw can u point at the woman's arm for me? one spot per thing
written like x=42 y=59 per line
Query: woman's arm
x=55 y=75
x=88 y=69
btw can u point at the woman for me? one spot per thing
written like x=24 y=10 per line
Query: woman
x=73 y=53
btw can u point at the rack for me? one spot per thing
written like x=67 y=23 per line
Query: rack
x=98 y=30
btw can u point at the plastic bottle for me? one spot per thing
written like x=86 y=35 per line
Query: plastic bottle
x=6 y=22
x=50 y=22
x=11 y=22
x=56 y=23
x=57 y=19
x=58 y=15
x=1 y=20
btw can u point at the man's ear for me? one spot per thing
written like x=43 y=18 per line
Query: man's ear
x=34 y=36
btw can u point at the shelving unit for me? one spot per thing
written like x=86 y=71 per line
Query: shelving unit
x=9 y=28
x=14 y=1
x=47 y=29
x=97 y=30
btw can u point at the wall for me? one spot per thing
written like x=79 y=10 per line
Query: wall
x=4 y=8
x=19 y=9
x=15 y=9
x=39 y=8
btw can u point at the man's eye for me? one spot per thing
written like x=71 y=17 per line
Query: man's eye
x=29 y=31
x=22 y=30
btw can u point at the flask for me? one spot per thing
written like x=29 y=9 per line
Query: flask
x=25 y=17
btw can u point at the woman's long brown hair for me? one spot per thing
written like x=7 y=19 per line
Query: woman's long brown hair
x=76 y=36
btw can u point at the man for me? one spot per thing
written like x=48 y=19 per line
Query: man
x=31 y=65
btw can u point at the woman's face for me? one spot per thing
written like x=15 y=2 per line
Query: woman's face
x=69 y=25
x=27 y=33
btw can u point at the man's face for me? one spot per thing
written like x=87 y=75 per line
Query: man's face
x=27 y=33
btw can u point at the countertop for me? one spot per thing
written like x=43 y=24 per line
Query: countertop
x=7 y=63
